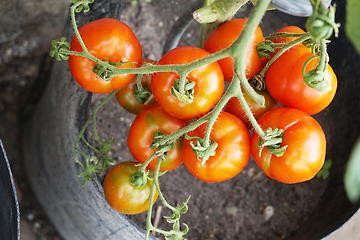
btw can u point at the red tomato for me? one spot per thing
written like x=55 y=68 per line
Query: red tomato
x=234 y=107
x=121 y=194
x=305 y=141
x=285 y=83
x=232 y=153
x=108 y=40
x=224 y=36
x=126 y=97
x=209 y=84
x=141 y=134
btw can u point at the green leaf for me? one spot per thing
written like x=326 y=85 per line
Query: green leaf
x=324 y=171
x=352 y=23
x=352 y=176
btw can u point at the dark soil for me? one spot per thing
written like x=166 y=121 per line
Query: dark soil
x=249 y=206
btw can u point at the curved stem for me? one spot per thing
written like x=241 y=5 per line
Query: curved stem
x=152 y=195
x=73 y=21
x=92 y=117
x=163 y=200
x=248 y=112
x=144 y=165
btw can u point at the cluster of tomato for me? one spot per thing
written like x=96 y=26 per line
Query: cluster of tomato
x=161 y=111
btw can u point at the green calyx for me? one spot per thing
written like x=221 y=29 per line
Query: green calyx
x=58 y=47
x=321 y=24
x=143 y=94
x=273 y=140
x=105 y=72
x=102 y=72
x=81 y=4
x=202 y=151
x=139 y=179
x=188 y=96
x=265 y=48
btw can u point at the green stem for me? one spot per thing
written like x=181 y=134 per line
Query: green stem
x=172 y=137
x=138 y=82
x=248 y=112
x=72 y=13
x=213 y=115
x=152 y=195
x=285 y=47
x=92 y=117
x=144 y=165
x=323 y=56
x=182 y=83
x=163 y=200
x=241 y=46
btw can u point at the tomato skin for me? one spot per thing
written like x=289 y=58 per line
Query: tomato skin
x=232 y=153
x=209 y=83
x=109 y=40
x=305 y=141
x=126 y=98
x=224 y=36
x=234 y=107
x=121 y=194
x=284 y=81
x=141 y=134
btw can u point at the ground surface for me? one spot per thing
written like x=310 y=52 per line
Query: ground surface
x=231 y=210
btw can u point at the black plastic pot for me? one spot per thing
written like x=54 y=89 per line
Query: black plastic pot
x=50 y=130
x=9 y=207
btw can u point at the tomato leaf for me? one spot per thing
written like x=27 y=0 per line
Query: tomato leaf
x=352 y=23
x=324 y=171
x=352 y=176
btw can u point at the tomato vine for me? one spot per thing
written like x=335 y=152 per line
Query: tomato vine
x=265 y=141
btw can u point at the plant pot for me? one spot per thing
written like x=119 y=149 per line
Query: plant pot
x=9 y=208
x=51 y=127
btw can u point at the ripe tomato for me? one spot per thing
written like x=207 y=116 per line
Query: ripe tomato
x=234 y=107
x=126 y=97
x=108 y=40
x=121 y=194
x=141 y=134
x=305 y=141
x=285 y=83
x=232 y=153
x=224 y=36
x=209 y=84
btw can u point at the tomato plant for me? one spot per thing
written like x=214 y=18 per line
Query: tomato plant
x=121 y=194
x=305 y=146
x=285 y=82
x=109 y=40
x=224 y=36
x=141 y=134
x=232 y=153
x=126 y=96
x=188 y=85
x=234 y=106
x=208 y=79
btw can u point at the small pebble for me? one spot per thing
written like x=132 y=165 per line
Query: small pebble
x=268 y=213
